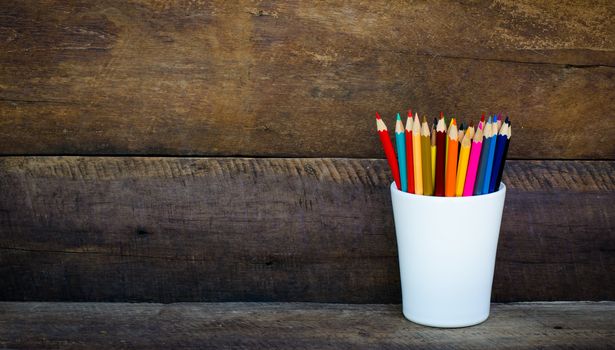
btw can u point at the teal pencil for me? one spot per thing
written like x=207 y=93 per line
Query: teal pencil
x=400 y=142
x=484 y=153
x=490 y=155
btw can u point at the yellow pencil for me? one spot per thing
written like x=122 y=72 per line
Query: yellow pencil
x=433 y=155
x=466 y=145
x=426 y=158
x=416 y=153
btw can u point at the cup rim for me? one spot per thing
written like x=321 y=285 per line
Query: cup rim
x=500 y=192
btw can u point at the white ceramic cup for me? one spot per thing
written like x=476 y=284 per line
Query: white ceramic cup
x=447 y=248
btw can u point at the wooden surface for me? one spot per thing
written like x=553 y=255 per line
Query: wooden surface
x=234 y=229
x=579 y=325
x=261 y=79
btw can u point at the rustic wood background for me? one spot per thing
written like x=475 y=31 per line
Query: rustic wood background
x=111 y=112
x=285 y=326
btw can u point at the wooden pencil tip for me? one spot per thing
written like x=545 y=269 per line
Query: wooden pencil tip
x=410 y=113
x=398 y=117
x=453 y=121
x=441 y=115
x=482 y=118
x=377 y=115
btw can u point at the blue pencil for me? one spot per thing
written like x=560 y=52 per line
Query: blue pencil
x=490 y=155
x=484 y=154
x=400 y=142
x=499 y=170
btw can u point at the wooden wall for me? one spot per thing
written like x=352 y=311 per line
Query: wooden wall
x=213 y=150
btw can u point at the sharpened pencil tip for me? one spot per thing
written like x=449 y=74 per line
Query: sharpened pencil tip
x=377 y=115
x=398 y=117
x=482 y=118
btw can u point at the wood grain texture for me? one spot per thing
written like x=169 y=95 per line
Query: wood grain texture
x=259 y=79
x=296 y=326
x=245 y=229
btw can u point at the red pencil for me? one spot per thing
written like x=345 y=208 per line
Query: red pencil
x=388 y=149
x=409 y=155
x=440 y=157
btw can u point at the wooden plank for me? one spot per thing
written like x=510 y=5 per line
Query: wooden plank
x=239 y=78
x=579 y=325
x=244 y=229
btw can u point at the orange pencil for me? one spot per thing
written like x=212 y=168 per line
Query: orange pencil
x=451 y=167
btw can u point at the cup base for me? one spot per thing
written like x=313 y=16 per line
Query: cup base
x=447 y=323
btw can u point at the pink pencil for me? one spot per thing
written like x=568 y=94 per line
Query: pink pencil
x=477 y=145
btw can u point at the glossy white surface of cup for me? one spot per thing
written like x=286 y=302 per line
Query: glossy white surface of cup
x=447 y=248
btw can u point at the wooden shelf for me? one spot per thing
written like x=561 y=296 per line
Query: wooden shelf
x=296 y=325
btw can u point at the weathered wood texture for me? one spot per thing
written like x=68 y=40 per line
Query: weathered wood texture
x=219 y=229
x=296 y=326
x=261 y=79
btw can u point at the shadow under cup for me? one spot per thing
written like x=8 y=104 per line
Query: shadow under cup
x=447 y=248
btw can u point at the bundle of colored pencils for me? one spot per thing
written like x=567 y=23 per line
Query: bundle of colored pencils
x=446 y=159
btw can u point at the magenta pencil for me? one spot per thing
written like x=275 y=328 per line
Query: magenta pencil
x=477 y=145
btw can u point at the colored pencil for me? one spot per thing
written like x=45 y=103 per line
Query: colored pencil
x=464 y=155
x=416 y=153
x=426 y=158
x=499 y=124
x=440 y=160
x=460 y=133
x=433 y=154
x=445 y=143
x=477 y=145
x=498 y=169
x=451 y=169
x=471 y=128
x=490 y=155
x=432 y=140
x=484 y=154
x=409 y=155
x=388 y=149
x=400 y=142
